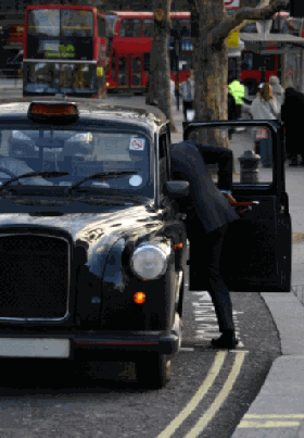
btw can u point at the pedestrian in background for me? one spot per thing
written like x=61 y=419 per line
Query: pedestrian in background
x=292 y=112
x=172 y=90
x=277 y=89
x=232 y=114
x=265 y=107
x=238 y=92
x=208 y=220
x=187 y=92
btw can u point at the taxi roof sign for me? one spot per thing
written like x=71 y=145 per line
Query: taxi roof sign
x=61 y=112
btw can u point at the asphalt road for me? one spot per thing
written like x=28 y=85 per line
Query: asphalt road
x=98 y=396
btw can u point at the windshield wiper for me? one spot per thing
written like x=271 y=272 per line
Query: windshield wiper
x=43 y=174
x=100 y=175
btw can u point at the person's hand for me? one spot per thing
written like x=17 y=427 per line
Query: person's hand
x=229 y=197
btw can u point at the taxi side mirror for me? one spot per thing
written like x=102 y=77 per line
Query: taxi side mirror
x=177 y=189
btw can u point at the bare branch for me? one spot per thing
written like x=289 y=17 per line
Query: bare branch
x=219 y=33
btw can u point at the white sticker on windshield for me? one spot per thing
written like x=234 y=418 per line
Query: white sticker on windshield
x=135 y=180
x=137 y=144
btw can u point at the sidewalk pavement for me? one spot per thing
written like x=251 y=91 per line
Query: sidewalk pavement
x=7 y=83
x=278 y=410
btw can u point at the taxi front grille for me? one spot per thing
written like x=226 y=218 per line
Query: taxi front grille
x=34 y=277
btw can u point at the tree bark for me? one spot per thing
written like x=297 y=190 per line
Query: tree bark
x=211 y=52
x=160 y=65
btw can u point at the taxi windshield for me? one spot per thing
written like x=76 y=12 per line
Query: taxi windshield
x=73 y=156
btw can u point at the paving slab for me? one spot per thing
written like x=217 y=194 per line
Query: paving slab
x=278 y=410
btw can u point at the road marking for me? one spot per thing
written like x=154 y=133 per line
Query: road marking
x=211 y=411
x=274 y=416
x=198 y=396
x=256 y=424
x=206 y=325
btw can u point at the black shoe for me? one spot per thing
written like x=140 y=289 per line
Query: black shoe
x=227 y=341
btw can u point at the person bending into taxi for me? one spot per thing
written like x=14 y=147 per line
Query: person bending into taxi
x=208 y=221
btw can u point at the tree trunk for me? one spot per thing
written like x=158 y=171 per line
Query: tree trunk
x=160 y=65
x=211 y=69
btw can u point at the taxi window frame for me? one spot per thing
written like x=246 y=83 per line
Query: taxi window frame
x=277 y=185
x=163 y=130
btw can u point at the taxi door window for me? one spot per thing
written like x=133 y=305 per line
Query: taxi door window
x=257 y=140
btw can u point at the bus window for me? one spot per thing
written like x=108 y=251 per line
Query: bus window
x=130 y=28
x=247 y=61
x=101 y=27
x=147 y=62
x=111 y=21
x=148 y=25
x=269 y=62
x=123 y=71
x=44 y=22
x=113 y=66
x=76 y=23
x=183 y=25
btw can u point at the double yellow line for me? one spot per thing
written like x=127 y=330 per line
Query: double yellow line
x=202 y=391
x=254 y=421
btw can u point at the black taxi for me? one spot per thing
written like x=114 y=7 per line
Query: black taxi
x=92 y=253
x=93 y=238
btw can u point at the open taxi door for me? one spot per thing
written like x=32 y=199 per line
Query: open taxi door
x=256 y=254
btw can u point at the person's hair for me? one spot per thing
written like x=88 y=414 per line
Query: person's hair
x=188 y=76
x=266 y=92
x=274 y=80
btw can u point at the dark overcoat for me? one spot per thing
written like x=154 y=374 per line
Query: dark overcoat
x=208 y=204
x=292 y=112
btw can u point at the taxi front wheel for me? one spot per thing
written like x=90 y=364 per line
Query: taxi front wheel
x=153 y=370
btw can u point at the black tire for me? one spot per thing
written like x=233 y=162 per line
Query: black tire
x=153 y=370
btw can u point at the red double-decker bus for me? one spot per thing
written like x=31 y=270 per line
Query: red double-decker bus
x=131 y=34
x=65 y=51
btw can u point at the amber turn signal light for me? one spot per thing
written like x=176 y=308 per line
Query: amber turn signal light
x=139 y=297
x=178 y=246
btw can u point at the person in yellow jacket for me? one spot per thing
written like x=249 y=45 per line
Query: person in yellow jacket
x=238 y=92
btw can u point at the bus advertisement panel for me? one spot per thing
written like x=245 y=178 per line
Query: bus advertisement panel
x=65 y=51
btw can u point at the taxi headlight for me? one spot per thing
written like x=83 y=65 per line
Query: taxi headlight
x=149 y=262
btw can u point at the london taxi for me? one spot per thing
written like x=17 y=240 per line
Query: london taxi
x=93 y=245
x=92 y=252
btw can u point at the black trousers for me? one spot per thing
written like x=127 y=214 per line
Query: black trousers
x=212 y=246
x=238 y=109
x=187 y=104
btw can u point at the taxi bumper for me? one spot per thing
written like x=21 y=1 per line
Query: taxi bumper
x=149 y=343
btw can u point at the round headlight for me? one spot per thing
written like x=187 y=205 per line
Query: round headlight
x=149 y=262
